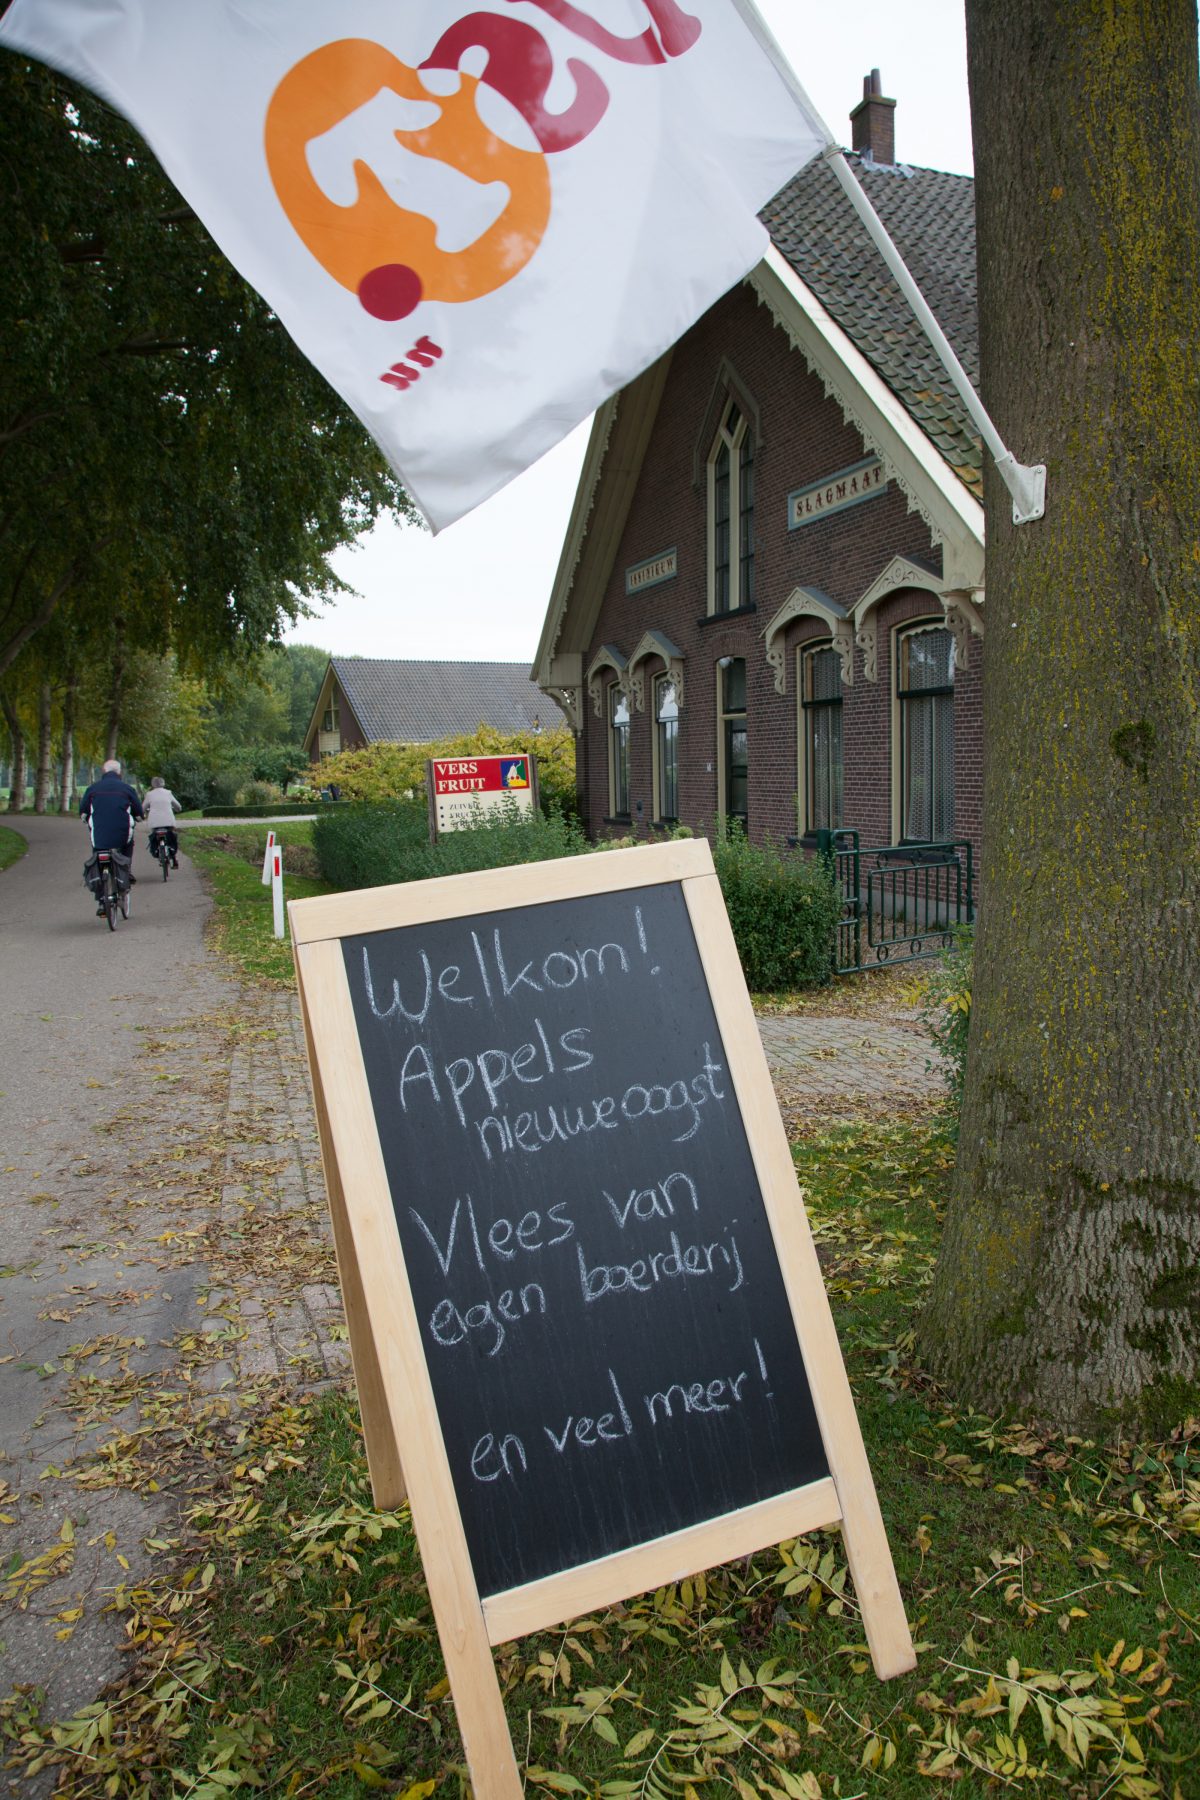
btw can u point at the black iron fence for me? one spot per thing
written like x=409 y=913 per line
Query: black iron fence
x=899 y=902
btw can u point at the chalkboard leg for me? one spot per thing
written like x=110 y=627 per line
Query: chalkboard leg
x=383 y=1456
x=867 y=1552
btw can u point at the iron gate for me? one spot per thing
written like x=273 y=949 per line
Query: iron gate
x=899 y=902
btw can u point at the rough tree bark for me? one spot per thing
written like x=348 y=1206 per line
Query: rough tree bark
x=16 y=795
x=41 y=786
x=1069 y=1280
x=66 y=785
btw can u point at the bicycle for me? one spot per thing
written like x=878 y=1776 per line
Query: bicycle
x=111 y=897
x=160 y=847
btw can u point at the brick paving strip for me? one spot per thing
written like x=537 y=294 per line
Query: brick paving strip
x=169 y=1261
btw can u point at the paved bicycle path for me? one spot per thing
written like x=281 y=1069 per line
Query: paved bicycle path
x=166 y=1259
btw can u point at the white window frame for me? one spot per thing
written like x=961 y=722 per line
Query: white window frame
x=661 y=680
x=910 y=628
x=722 y=719
x=617 y=694
x=803 y=769
x=731 y=437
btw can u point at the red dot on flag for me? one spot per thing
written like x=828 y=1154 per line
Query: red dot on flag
x=391 y=291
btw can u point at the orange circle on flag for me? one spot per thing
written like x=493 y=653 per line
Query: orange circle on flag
x=382 y=252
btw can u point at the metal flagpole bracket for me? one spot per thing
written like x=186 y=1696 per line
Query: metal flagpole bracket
x=1025 y=482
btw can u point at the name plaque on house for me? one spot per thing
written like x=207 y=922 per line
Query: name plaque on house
x=849 y=487
x=647 y=574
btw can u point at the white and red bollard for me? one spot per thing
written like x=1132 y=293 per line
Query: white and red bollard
x=277 y=888
x=267 y=854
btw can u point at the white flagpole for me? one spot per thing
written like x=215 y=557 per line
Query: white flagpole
x=1025 y=482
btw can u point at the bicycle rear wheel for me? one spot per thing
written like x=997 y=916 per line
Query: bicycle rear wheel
x=110 y=898
x=164 y=857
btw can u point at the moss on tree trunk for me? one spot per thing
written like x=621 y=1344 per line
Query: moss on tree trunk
x=1069 y=1280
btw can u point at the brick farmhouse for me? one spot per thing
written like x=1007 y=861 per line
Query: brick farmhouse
x=769 y=604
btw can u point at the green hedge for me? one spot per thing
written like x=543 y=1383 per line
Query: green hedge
x=372 y=846
x=784 y=909
x=275 y=809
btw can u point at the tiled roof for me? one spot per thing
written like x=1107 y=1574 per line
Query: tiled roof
x=931 y=218
x=419 y=702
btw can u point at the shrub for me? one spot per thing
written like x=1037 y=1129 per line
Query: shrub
x=370 y=846
x=784 y=910
x=224 y=786
x=360 y=846
x=393 y=771
x=946 y=1015
x=189 y=779
x=259 y=793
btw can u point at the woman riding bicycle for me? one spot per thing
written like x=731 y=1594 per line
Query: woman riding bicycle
x=161 y=806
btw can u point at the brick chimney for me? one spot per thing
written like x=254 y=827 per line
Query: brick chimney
x=873 y=122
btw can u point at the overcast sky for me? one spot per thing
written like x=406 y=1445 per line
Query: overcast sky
x=478 y=591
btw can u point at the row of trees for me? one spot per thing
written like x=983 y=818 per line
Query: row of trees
x=209 y=737
x=173 y=473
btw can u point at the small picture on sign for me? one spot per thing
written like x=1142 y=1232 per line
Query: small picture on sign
x=514 y=772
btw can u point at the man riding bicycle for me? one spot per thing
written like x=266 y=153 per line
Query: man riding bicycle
x=160 y=808
x=110 y=807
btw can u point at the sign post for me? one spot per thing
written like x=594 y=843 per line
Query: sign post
x=589 y=1329
x=277 y=888
x=268 y=855
x=463 y=790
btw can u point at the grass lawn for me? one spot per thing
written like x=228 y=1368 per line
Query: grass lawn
x=286 y=1645
x=231 y=857
x=12 y=846
x=1053 y=1587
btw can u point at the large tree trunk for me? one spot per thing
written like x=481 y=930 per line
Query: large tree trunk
x=66 y=786
x=1069 y=1279
x=41 y=786
x=16 y=795
x=116 y=693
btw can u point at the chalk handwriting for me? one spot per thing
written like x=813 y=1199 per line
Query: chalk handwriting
x=498 y=977
x=680 y=1263
x=449 y=1326
x=503 y=1238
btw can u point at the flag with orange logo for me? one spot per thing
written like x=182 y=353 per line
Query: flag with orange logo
x=478 y=221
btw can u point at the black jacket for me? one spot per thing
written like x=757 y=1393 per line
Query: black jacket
x=110 y=806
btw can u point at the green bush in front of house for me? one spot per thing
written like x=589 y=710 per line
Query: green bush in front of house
x=371 y=846
x=784 y=909
x=362 y=845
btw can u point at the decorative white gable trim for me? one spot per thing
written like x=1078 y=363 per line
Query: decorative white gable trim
x=606 y=657
x=949 y=509
x=961 y=606
x=804 y=601
x=655 y=643
x=570 y=699
x=899 y=573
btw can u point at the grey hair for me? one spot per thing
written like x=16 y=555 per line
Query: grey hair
x=112 y=766
x=157 y=781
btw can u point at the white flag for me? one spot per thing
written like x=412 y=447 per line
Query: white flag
x=476 y=220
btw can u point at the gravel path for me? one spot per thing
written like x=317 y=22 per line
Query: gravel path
x=167 y=1260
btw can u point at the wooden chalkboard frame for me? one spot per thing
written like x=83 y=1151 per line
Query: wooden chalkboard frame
x=400 y=1421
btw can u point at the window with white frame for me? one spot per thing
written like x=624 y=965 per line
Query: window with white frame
x=925 y=697
x=820 y=687
x=734 y=768
x=329 y=720
x=666 y=748
x=618 y=752
x=731 y=513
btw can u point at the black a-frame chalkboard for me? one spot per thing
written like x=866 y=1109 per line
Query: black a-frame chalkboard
x=589 y=1330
